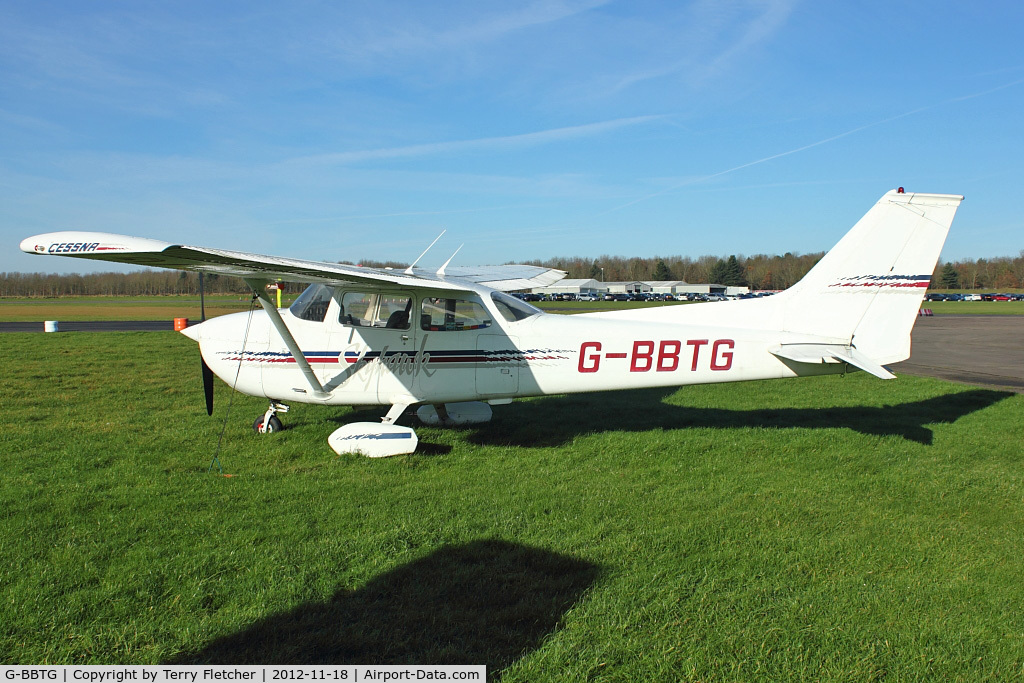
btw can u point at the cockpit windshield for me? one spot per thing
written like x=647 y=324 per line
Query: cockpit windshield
x=312 y=304
x=513 y=309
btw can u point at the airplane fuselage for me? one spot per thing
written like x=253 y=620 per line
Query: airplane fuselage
x=477 y=353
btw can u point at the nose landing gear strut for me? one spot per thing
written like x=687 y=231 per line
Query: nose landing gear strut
x=269 y=422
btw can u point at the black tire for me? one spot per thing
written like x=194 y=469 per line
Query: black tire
x=274 y=426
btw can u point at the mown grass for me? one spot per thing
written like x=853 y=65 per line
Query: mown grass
x=834 y=528
x=122 y=308
x=975 y=307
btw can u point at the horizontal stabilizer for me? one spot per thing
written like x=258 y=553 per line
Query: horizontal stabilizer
x=831 y=353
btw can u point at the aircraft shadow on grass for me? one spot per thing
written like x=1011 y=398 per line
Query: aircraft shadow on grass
x=486 y=602
x=553 y=422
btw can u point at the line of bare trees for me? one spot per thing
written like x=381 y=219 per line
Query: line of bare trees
x=760 y=271
x=999 y=273
x=763 y=271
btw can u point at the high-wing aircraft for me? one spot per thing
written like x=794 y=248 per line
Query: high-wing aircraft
x=453 y=343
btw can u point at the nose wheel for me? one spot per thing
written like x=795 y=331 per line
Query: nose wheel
x=268 y=422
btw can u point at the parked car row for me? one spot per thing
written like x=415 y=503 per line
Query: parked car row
x=989 y=296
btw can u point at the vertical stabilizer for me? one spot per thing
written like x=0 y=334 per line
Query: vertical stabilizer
x=867 y=290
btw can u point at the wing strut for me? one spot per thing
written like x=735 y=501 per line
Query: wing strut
x=259 y=288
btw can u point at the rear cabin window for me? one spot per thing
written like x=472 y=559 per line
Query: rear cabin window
x=312 y=304
x=374 y=309
x=512 y=309
x=453 y=315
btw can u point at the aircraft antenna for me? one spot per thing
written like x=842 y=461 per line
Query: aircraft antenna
x=408 y=271
x=440 y=271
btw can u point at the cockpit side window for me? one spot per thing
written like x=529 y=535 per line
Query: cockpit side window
x=512 y=309
x=375 y=309
x=439 y=314
x=312 y=304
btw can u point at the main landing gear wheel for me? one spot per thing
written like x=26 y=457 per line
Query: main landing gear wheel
x=268 y=422
x=274 y=425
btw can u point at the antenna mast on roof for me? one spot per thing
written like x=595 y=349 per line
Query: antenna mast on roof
x=408 y=271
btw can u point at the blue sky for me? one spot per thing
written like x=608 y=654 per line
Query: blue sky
x=359 y=130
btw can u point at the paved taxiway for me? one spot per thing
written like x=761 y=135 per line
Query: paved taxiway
x=987 y=350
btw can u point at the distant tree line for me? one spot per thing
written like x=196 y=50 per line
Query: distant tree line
x=760 y=271
x=1000 y=273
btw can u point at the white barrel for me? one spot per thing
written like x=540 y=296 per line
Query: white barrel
x=49 y=326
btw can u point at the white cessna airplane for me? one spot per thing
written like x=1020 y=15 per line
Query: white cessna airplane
x=452 y=343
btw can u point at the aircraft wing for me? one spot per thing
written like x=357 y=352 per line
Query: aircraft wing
x=157 y=254
x=506 y=278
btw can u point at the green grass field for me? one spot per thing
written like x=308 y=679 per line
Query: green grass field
x=975 y=307
x=118 y=308
x=833 y=528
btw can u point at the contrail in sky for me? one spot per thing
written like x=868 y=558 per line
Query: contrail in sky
x=693 y=181
x=521 y=140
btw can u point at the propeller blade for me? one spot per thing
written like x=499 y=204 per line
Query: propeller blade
x=207 y=385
